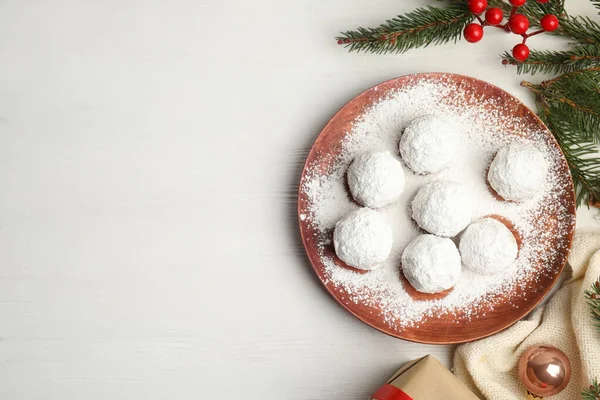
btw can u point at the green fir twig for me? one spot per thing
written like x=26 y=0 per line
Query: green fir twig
x=575 y=99
x=432 y=25
x=568 y=105
x=419 y=28
x=585 y=52
x=592 y=392
x=592 y=297
x=557 y=62
x=582 y=29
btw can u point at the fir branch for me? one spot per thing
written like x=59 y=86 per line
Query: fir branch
x=580 y=57
x=436 y=25
x=585 y=169
x=419 y=28
x=592 y=392
x=582 y=29
x=574 y=97
x=593 y=300
x=565 y=119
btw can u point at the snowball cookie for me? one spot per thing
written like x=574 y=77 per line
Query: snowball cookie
x=429 y=144
x=488 y=247
x=431 y=263
x=442 y=208
x=518 y=172
x=363 y=239
x=376 y=179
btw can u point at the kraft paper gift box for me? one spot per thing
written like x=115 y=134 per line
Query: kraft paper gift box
x=424 y=379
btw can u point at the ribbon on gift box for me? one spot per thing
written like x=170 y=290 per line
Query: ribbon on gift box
x=423 y=378
x=389 y=392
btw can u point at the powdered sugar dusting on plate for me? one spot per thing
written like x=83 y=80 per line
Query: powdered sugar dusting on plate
x=485 y=125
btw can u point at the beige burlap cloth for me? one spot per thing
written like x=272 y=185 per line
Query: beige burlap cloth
x=489 y=366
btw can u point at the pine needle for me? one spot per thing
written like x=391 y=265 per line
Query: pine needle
x=592 y=392
x=582 y=29
x=419 y=28
x=557 y=62
x=593 y=300
x=571 y=112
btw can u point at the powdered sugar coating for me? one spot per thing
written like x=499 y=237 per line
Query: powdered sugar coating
x=431 y=263
x=376 y=179
x=518 y=172
x=442 y=208
x=429 y=144
x=363 y=239
x=486 y=124
x=488 y=247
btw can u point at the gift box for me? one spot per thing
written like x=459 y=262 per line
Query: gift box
x=424 y=379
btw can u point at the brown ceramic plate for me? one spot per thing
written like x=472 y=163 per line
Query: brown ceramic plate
x=444 y=329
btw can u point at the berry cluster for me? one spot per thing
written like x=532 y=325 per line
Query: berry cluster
x=517 y=24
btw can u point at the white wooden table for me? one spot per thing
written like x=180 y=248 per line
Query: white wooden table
x=149 y=157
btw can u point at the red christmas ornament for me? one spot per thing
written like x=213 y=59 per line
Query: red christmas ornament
x=518 y=24
x=477 y=6
x=521 y=52
x=549 y=22
x=494 y=16
x=473 y=33
x=517 y=3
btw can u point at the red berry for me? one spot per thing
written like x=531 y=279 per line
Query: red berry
x=473 y=33
x=494 y=16
x=521 y=52
x=477 y=6
x=340 y=41
x=517 y=3
x=518 y=24
x=549 y=22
